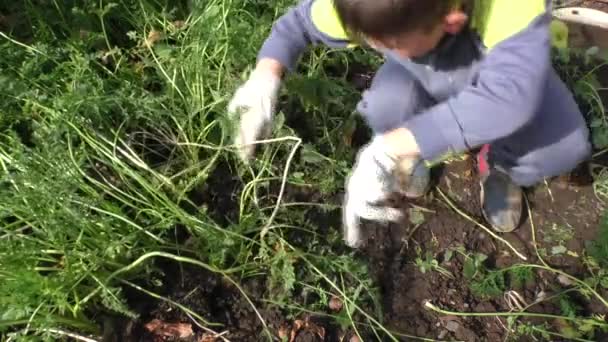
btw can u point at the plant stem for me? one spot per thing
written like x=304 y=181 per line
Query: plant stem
x=78 y=324
x=543 y=331
x=488 y=230
x=69 y=334
x=349 y=300
x=533 y=230
x=431 y=306
x=551 y=269
x=283 y=183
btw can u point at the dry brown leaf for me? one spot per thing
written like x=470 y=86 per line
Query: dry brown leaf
x=306 y=324
x=283 y=332
x=320 y=331
x=297 y=326
x=207 y=337
x=180 y=330
x=335 y=304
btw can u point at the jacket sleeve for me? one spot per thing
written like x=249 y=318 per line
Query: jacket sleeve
x=310 y=22
x=505 y=96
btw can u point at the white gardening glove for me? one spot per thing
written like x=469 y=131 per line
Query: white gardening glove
x=255 y=101
x=375 y=176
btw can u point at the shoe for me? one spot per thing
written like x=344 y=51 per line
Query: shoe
x=501 y=199
x=413 y=177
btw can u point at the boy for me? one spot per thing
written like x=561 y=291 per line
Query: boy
x=458 y=75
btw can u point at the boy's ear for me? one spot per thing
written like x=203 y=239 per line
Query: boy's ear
x=455 y=21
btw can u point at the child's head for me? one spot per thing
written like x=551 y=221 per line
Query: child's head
x=410 y=27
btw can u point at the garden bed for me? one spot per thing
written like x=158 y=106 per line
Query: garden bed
x=126 y=217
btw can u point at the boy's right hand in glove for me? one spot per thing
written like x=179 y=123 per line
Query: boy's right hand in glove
x=376 y=175
x=254 y=104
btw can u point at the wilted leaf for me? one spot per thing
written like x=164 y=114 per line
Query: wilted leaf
x=297 y=326
x=469 y=268
x=207 y=337
x=307 y=325
x=557 y=250
x=416 y=216
x=153 y=37
x=448 y=255
x=309 y=155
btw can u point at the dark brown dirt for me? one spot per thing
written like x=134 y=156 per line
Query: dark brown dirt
x=405 y=288
x=565 y=212
x=216 y=299
x=566 y=202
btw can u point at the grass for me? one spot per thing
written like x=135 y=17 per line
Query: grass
x=113 y=116
x=114 y=144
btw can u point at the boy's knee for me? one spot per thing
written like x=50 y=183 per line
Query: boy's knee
x=581 y=147
x=556 y=160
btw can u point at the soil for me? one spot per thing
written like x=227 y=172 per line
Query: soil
x=565 y=212
x=566 y=202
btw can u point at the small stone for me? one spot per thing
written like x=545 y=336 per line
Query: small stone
x=452 y=326
x=354 y=338
x=565 y=281
x=541 y=296
x=442 y=334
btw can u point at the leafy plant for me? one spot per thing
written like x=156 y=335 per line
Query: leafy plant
x=486 y=283
x=598 y=248
x=429 y=263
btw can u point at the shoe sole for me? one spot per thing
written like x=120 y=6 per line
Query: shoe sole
x=487 y=218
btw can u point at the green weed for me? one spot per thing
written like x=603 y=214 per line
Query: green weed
x=429 y=263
